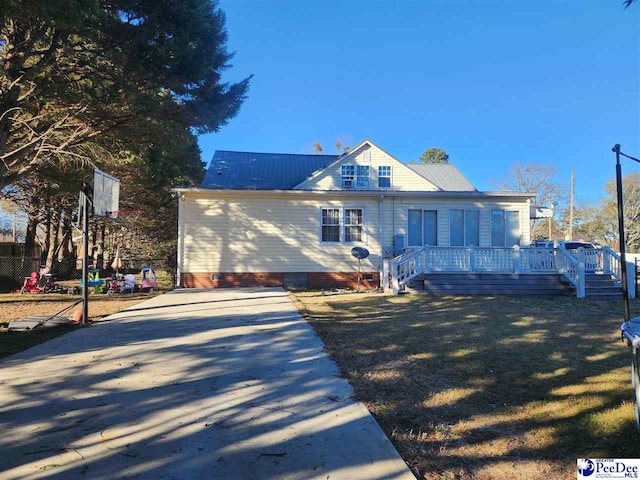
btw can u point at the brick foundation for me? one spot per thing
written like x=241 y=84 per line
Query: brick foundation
x=319 y=280
x=225 y=280
x=315 y=280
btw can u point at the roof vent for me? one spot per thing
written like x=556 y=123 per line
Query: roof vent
x=219 y=173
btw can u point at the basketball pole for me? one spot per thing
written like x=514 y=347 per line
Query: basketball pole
x=87 y=195
x=623 y=245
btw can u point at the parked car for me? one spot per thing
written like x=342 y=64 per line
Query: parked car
x=574 y=245
x=568 y=244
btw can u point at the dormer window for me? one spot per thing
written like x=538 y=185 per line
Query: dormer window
x=384 y=176
x=362 y=179
x=348 y=176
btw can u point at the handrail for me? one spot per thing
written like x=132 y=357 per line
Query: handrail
x=405 y=267
x=573 y=270
x=473 y=259
x=611 y=263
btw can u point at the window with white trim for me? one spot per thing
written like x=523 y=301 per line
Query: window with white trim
x=464 y=227
x=505 y=228
x=348 y=176
x=422 y=226
x=342 y=225
x=330 y=225
x=362 y=176
x=353 y=224
x=384 y=176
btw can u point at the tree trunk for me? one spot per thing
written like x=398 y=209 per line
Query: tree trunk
x=54 y=242
x=47 y=235
x=32 y=226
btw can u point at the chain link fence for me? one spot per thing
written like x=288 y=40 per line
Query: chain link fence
x=13 y=270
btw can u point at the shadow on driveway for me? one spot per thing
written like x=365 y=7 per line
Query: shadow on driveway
x=229 y=384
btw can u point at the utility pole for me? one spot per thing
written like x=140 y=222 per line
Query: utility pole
x=550 y=219
x=571 y=202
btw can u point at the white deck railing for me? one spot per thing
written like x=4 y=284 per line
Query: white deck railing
x=406 y=266
x=611 y=263
x=572 y=269
x=516 y=260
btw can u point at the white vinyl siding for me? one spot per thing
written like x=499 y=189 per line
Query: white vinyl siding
x=254 y=233
x=403 y=178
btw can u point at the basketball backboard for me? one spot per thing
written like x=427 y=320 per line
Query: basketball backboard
x=106 y=194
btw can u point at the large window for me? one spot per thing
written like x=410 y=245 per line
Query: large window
x=422 y=228
x=348 y=176
x=464 y=227
x=505 y=228
x=362 y=177
x=342 y=225
x=384 y=176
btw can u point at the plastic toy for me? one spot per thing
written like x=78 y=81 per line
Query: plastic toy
x=149 y=282
x=30 y=284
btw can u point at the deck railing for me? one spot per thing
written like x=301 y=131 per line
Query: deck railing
x=406 y=266
x=611 y=263
x=572 y=269
x=471 y=259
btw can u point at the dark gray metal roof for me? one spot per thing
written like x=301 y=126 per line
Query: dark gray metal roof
x=262 y=171
x=444 y=176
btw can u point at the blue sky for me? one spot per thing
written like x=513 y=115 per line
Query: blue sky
x=554 y=82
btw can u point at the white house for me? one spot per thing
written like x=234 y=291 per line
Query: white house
x=292 y=220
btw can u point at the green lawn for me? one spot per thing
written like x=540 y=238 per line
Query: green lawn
x=486 y=386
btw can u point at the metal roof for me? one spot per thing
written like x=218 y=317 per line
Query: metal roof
x=444 y=176
x=284 y=171
x=262 y=171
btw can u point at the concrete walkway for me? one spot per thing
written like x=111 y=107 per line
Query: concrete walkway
x=193 y=384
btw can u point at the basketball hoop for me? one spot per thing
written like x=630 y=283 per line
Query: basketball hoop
x=106 y=194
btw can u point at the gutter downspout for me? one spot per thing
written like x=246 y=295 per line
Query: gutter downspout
x=381 y=263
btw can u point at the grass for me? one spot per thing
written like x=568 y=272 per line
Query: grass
x=484 y=387
x=14 y=306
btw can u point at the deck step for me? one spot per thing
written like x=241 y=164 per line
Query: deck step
x=498 y=284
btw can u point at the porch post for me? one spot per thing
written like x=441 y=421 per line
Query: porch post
x=631 y=279
x=385 y=274
x=472 y=258
x=395 y=282
x=516 y=259
x=426 y=259
x=581 y=290
x=606 y=262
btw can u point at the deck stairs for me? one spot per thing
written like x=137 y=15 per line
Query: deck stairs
x=597 y=285
x=490 y=284
x=601 y=285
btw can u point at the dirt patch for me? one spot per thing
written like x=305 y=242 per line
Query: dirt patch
x=16 y=307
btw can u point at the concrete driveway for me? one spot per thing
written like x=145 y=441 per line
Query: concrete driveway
x=193 y=384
